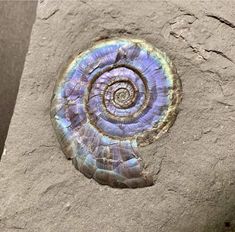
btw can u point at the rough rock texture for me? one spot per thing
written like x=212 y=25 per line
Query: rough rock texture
x=16 y=21
x=194 y=163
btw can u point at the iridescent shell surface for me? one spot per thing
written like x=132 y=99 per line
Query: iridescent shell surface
x=111 y=99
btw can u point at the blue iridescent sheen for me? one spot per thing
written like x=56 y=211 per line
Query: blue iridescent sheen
x=112 y=98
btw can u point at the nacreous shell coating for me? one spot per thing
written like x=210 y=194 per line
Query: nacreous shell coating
x=112 y=98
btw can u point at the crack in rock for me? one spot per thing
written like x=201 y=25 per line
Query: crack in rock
x=222 y=20
x=50 y=15
x=219 y=53
x=195 y=49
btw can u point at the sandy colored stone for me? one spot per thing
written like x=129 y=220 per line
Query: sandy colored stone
x=194 y=162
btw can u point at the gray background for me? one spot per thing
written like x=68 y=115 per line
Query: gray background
x=16 y=20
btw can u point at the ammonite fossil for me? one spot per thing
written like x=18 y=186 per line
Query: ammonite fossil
x=111 y=99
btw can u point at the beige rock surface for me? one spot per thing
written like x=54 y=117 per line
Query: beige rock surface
x=194 y=162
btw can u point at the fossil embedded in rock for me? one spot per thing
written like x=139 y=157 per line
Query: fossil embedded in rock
x=111 y=99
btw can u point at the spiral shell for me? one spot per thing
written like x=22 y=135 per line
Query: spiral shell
x=112 y=98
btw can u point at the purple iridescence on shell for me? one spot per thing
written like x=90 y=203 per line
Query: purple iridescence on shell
x=111 y=99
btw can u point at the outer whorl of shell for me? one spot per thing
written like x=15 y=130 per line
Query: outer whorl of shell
x=112 y=98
